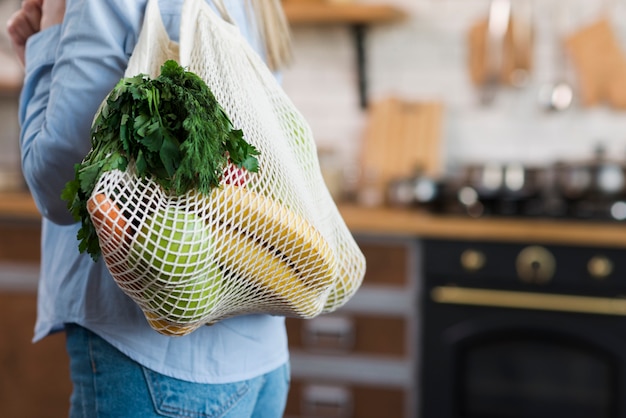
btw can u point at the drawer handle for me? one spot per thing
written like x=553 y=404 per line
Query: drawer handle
x=331 y=401
x=529 y=300
x=329 y=332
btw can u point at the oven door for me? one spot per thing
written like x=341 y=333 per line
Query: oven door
x=489 y=362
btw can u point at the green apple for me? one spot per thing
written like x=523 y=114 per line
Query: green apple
x=174 y=245
x=188 y=303
x=173 y=251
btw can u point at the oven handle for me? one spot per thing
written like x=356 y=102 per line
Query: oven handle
x=529 y=300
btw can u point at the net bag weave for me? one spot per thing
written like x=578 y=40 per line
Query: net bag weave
x=267 y=242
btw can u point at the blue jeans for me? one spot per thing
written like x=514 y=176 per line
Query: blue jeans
x=108 y=384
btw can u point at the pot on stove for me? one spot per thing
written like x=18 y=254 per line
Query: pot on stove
x=573 y=181
x=596 y=179
x=501 y=188
x=419 y=189
x=512 y=179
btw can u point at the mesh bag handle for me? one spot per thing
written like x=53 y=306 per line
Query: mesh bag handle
x=221 y=8
x=154 y=45
x=269 y=242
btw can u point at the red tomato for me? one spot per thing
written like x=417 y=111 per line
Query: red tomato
x=235 y=175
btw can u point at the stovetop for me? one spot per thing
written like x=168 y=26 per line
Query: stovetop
x=588 y=190
x=467 y=201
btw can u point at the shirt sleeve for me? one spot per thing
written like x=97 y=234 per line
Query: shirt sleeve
x=70 y=68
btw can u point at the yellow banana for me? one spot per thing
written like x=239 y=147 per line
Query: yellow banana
x=280 y=230
x=282 y=290
x=281 y=263
x=168 y=328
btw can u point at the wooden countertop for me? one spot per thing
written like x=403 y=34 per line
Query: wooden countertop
x=426 y=225
x=405 y=222
x=18 y=205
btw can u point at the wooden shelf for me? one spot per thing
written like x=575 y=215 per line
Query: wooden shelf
x=340 y=13
x=411 y=222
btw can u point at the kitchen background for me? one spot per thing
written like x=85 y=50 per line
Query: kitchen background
x=436 y=304
x=425 y=58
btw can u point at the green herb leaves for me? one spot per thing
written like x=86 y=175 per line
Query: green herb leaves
x=171 y=127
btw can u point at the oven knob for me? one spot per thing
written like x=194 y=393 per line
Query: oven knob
x=535 y=264
x=599 y=267
x=472 y=260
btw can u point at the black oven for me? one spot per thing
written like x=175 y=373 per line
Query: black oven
x=514 y=330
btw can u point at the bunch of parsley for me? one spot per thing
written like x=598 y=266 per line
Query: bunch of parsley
x=174 y=131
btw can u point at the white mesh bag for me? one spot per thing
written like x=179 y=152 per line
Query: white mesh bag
x=266 y=242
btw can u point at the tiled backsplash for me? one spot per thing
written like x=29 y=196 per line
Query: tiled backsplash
x=425 y=58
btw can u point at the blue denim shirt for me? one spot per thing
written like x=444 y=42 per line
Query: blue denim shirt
x=69 y=70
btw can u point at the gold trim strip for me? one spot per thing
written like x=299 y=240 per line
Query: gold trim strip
x=529 y=300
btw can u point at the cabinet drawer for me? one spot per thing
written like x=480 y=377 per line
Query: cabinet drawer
x=20 y=241
x=325 y=399
x=388 y=262
x=354 y=334
x=34 y=381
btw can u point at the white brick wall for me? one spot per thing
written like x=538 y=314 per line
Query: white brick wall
x=424 y=58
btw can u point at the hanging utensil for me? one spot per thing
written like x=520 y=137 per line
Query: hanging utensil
x=498 y=23
x=522 y=28
x=558 y=95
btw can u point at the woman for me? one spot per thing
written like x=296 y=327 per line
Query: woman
x=73 y=55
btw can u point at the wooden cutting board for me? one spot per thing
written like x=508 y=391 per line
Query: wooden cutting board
x=401 y=138
x=598 y=59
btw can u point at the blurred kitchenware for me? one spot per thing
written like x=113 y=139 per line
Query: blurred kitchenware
x=597 y=57
x=598 y=178
x=591 y=188
x=502 y=188
x=418 y=189
x=522 y=34
x=558 y=95
x=512 y=179
x=498 y=24
x=509 y=63
x=572 y=180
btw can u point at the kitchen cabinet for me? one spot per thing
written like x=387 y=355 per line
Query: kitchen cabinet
x=360 y=360
x=34 y=378
x=343 y=367
x=20 y=242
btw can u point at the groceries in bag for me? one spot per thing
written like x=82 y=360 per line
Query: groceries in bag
x=169 y=196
